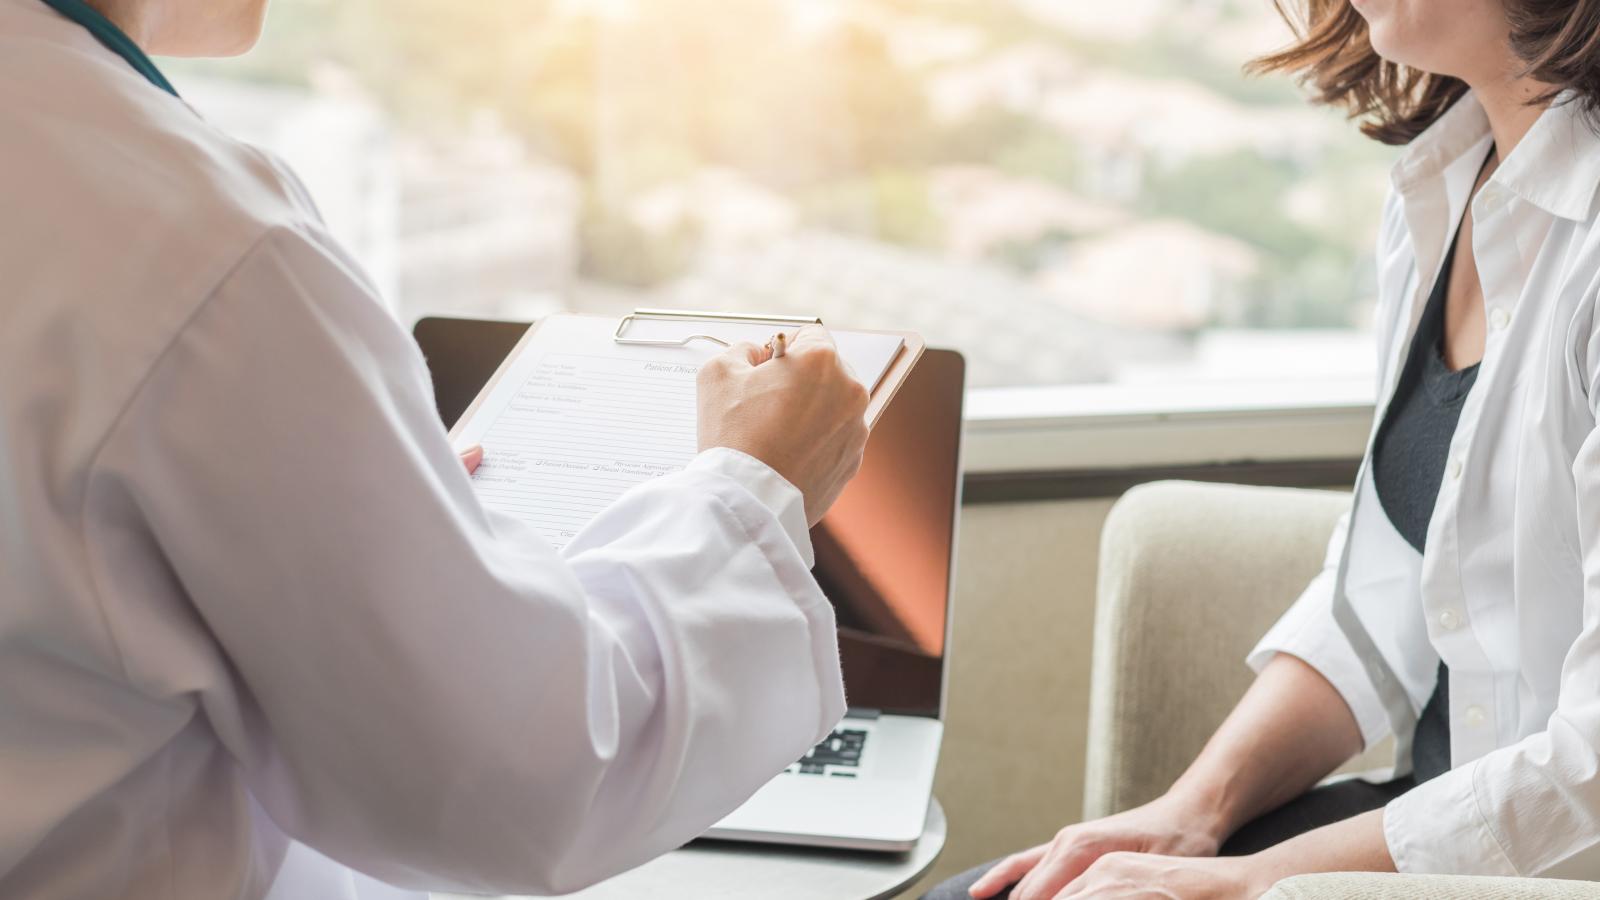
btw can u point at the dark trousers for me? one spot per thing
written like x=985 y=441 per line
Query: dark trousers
x=1312 y=810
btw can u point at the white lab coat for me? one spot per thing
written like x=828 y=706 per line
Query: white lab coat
x=256 y=633
x=1508 y=592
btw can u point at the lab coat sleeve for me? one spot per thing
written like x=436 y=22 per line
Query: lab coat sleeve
x=423 y=690
x=1531 y=808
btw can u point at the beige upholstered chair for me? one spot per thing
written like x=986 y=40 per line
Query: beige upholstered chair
x=1190 y=576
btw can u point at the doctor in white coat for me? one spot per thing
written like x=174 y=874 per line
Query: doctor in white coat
x=257 y=636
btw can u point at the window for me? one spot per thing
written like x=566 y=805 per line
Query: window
x=1071 y=193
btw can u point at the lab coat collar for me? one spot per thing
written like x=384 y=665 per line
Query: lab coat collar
x=41 y=22
x=1556 y=167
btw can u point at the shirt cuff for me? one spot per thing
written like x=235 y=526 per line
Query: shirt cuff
x=768 y=487
x=1438 y=828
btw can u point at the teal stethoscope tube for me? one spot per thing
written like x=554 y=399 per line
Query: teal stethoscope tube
x=114 y=39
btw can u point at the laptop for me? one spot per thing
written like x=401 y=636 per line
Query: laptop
x=885 y=558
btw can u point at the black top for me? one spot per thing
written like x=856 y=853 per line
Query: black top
x=1409 y=458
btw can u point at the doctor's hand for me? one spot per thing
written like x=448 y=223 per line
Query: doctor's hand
x=803 y=414
x=1169 y=825
x=472 y=457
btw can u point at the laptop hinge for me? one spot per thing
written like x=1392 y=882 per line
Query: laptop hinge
x=861 y=712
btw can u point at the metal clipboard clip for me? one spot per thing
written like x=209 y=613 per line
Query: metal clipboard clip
x=684 y=315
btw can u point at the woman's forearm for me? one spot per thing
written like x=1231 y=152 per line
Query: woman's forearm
x=1291 y=729
x=1355 y=845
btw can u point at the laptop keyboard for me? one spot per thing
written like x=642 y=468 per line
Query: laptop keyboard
x=838 y=756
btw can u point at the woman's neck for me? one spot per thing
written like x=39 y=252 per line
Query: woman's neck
x=1508 y=103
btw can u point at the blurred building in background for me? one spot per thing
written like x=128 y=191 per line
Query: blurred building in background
x=1069 y=195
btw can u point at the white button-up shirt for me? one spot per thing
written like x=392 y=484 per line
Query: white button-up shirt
x=1508 y=592
x=257 y=635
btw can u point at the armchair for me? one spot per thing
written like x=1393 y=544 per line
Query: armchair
x=1190 y=576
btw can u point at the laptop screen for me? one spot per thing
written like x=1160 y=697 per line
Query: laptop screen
x=883 y=551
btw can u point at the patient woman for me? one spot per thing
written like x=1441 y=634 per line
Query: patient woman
x=1460 y=608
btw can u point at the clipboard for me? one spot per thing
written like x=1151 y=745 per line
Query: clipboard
x=629 y=326
x=587 y=407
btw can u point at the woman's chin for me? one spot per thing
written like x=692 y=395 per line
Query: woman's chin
x=1383 y=41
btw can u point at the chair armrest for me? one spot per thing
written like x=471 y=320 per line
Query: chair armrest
x=1367 y=886
x=1191 y=576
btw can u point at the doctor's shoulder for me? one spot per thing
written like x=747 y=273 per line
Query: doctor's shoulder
x=126 y=215
x=169 y=201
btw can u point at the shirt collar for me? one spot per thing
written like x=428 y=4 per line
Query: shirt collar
x=1556 y=167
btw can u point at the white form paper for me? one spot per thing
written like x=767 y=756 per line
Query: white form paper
x=577 y=419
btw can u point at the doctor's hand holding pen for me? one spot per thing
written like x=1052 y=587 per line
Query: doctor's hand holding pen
x=793 y=405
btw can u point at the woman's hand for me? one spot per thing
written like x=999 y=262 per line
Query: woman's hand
x=1292 y=728
x=1145 y=876
x=1168 y=826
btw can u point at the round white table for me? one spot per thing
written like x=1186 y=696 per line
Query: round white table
x=726 y=870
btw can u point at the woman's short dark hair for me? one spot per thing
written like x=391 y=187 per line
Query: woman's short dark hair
x=1557 y=40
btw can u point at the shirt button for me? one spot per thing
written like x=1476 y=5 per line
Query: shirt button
x=1449 y=620
x=1455 y=469
x=1474 y=717
x=1499 y=319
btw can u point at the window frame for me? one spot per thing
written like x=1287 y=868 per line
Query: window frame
x=1032 y=432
